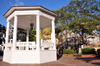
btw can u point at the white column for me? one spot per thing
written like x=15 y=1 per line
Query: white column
x=38 y=32
x=42 y=39
x=15 y=33
x=7 y=32
x=27 y=39
x=41 y=36
x=53 y=34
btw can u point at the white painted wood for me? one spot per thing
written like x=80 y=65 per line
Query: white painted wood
x=47 y=44
x=27 y=38
x=27 y=12
x=7 y=32
x=41 y=19
x=53 y=34
x=15 y=33
x=27 y=35
x=27 y=45
x=41 y=36
x=11 y=16
x=29 y=57
x=46 y=15
x=38 y=32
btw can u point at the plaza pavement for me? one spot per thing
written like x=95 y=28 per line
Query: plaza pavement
x=62 y=61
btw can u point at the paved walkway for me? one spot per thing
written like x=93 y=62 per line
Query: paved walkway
x=62 y=61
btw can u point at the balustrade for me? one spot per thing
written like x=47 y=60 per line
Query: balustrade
x=29 y=46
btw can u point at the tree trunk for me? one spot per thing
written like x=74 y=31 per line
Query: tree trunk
x=79 y=48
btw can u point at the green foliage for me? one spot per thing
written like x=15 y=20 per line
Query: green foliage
x=77 y=54
x=78 y=17
x=22 y=34
x=68 y=51
x=88 y=51
x=32 y=36
x=98 y=50
x=2 y=29
x=85 y=15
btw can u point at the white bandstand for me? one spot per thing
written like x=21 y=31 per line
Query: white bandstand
x=30 y=52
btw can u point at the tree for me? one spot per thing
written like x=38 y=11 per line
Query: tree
x=2 y=32
x=2 y=29
x=46 y=33
x=63 y=18
x=32 y=35
x=86 y=13
x=80 y=16
x=22 y=34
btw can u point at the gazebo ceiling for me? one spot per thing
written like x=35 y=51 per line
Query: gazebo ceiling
x=25 y=19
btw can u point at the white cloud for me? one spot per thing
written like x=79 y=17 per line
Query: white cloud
x=18 y=3
x=21 y=3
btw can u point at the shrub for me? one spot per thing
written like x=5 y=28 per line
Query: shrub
x=68 y=51
x=88 y=51
x=60 y=51
x=77 y=54
x=98 y=50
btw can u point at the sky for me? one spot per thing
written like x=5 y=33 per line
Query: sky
x=49 y=4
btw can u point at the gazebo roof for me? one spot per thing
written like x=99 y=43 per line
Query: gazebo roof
x=41 y=8
x=27 y=15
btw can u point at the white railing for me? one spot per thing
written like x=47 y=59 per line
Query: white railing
x=26 y=45
x=30 y=46
x=47 y=45
x=8 y=46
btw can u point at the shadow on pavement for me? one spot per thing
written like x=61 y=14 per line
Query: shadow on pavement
x=0 y=60
x=96 y=63
x=87 y=60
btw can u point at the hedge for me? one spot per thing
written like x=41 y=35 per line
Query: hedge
x=66 y=51
x=88 y=51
